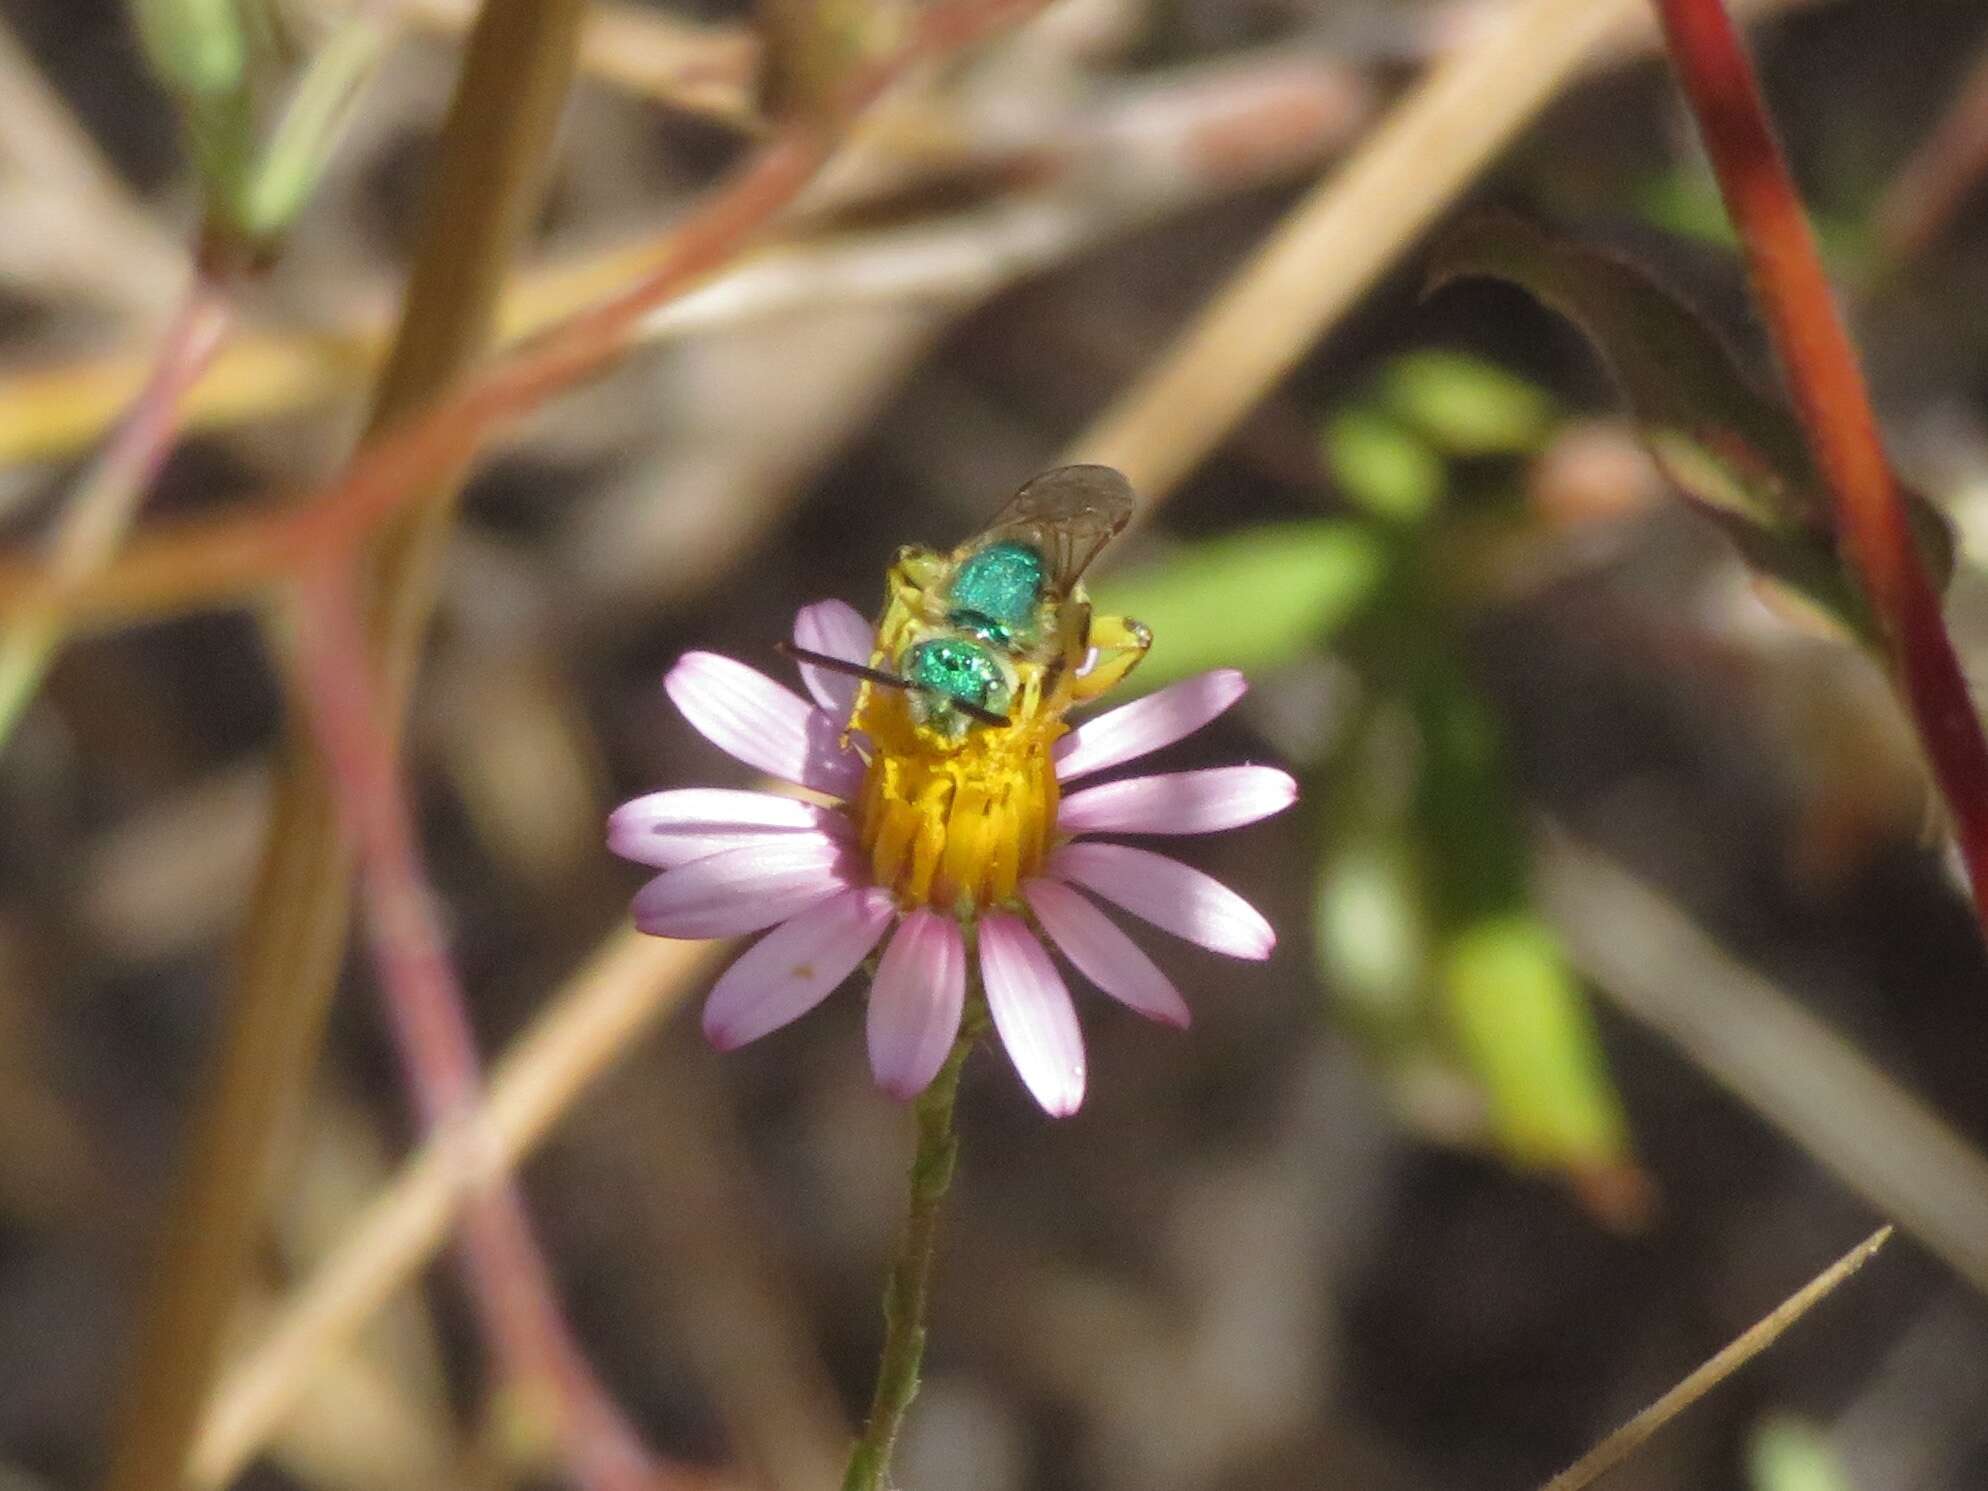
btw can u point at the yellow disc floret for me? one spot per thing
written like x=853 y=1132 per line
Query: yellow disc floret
x=955 y=823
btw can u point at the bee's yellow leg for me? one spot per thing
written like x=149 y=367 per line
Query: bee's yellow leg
x=1117 y=644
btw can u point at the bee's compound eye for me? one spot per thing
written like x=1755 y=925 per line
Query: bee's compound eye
x=958 y=669
x=1002 y=583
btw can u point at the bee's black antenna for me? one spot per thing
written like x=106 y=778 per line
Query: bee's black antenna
x=843 y=665
x=888 y=680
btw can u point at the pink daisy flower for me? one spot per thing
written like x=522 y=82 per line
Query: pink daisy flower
x=975 y=856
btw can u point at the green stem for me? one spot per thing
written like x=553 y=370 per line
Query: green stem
x=911 y=1271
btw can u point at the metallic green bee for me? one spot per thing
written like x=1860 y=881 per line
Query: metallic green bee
x=999 y=631
x=1001 y=624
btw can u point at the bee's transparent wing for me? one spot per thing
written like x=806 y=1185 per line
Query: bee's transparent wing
x=1069 y=513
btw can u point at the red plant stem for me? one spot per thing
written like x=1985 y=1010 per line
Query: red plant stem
x=1828 y=388
x=131 y=460
x=108 y=495
x=508 y=1278
x=222 y=560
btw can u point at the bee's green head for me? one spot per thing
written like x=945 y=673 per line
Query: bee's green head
x=997 y=589
x=947 y=671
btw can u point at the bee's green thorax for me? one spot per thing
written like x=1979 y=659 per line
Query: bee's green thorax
x=947 y=668
x=996 y=591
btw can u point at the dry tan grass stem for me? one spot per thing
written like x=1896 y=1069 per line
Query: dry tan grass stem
x=1762 y=1334
x=1344 y=234
x=629 y=985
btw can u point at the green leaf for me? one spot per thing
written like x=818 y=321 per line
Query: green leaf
x=1383 y=466
x=1736 y=454
x=1685 y=202
x=1466 y=406
x=1790 y=1454
x=1371 y=929
x=311 y=126
x=1525 y=1029
x=1256 y=599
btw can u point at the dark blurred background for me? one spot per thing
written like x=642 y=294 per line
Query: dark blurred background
x=1299 y=1246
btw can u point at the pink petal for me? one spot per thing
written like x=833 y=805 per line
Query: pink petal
x=1104 y=954
x=1168 y=894
x=1145 y=725
x=795 y=966
x=742 y=890
x=1032 y=1011
x=915 y=1003
x=838 y=629
x=672 y=828
x=746 y=714
x=1182 y=802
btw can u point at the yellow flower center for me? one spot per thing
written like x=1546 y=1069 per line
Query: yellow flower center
x=955 y=823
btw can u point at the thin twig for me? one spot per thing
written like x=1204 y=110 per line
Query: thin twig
x=623 y=991
x=1762 y=1334
x=100 y=510
x=1805 y=1078
x=1823 y=375
x=1352 y=227
x=712 y=70
x=508 y=1275
x=1334 y=244
x=700 y=69
x=1157 y=143
x=1940 y=174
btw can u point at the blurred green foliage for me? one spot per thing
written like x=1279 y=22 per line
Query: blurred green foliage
x=196 y=48
x=1785 y=1453
x=1425 y=930
x=1254 y=600
x=1371 y=927
x=1684 y=201
x=262 y=113
x=1526 y=1032
x=1382 y=465
x=1464 y=406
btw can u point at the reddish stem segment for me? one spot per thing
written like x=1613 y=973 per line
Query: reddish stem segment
x=508 y=1276
x=1828 y=388
x=107 y=498
x=136 y=452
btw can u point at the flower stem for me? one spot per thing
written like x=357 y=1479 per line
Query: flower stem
x=911 y=1271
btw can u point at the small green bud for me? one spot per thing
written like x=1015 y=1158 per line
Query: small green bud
x=196 y=47
x=1384 y=466
x=1466 y=406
